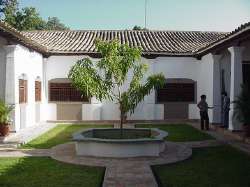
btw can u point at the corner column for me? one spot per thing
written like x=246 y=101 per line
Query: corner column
x=235 y=85
x=10 y=88
x=10 y=75
x=216 y=89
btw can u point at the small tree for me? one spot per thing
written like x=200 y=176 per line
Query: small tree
x=106 y=78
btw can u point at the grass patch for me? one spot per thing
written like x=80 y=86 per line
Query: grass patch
x=58 y=135
x=46 y=172
x=221 y=166
x=179 y=132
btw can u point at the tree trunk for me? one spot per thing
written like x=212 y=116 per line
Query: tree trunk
x=122 y=115
x=121 y=120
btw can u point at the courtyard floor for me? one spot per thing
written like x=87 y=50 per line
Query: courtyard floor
x=210 y=150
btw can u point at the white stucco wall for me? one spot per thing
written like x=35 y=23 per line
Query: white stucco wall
x=205 y=81
x=171 y=67
x=28 y=65
x=179 y=67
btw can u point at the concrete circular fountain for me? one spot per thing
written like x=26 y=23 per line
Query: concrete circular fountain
x=107 y=142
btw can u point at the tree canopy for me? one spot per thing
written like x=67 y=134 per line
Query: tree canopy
x=27 y=18
x=106 y=78
x=139 y=28
x=136 y=27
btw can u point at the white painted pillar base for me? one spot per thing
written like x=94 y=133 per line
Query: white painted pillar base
x=235 y=86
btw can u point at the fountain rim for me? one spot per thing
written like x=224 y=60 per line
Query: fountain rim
x=79 y=136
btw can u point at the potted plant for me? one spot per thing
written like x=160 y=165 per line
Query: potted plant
x=242 y=109
x=4 y=118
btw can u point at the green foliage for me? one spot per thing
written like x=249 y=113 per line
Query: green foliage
x=137 y=28
x=5 y=111
x=105 y=79
x=8 y=9
x=27 y=18
x=54 y=23
x=242 y=106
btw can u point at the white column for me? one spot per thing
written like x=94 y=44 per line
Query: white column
x=10 y=75
x=10 y=87
x=45 y=94
x=216 y=89
x=235 y=85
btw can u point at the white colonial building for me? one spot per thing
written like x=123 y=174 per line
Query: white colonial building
x=34 y=67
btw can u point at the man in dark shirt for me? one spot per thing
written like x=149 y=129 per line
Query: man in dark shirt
x=203 y=106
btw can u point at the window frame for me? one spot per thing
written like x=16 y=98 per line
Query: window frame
x=178 y=81
x=38 y=98
x=23 y=84
x=64 y=102
x=245 y=66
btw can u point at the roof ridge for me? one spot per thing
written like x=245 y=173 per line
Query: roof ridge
x=152 y=41
x=125 y=30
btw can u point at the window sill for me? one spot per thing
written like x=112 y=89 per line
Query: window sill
x=68 y=102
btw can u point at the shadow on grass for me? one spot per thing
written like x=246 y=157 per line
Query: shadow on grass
x=58 y=135
x=46 y=172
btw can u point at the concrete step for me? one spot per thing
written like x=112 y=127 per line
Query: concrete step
x=9 y=145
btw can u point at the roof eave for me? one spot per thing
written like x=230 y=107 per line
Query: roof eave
x=97 y=55
x=21 y=39
x=224 y=42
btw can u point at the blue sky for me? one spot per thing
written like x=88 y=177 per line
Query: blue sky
x=210 y=15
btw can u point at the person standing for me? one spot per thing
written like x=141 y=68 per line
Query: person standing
x=225 y=110
x=203 y=106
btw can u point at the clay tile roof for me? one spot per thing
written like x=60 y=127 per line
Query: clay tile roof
x=242 y=30
x=152 y=42
x=166 y=43
x=19 y=37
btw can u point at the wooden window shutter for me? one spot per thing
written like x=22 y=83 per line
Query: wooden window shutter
x=176 y=92
x=38 y=92
x=65 y=92
x=23 y=91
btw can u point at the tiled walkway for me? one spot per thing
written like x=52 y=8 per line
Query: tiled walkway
x=125 y=172
x=27 y=134
x=227 y=139
x=131 y=172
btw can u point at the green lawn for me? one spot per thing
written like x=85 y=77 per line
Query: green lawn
x=46 y=172
x=179 y=132
x=58 y=135
x=221 y=166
